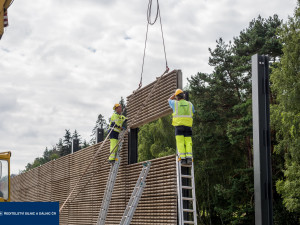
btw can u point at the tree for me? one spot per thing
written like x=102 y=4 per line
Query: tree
x=85 y=144
x=260 y=37
x=222 y=131
x=156 y=139
x=63 y=147
x=59 y=146
x=122 y=103
x=100 y=123
x=48 y=155
x=67 y=144
x=76 y=135
x=285 y=112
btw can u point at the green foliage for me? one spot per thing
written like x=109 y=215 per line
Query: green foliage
x=100 y=123
x=122 y=103
x=124 y=113
x=234 y=204
x=222 y=128
x=85 y=144
x=285 y=112
x=156 y=139
x=48 y=155
x=63 y=147
x=218 y=151
x=67 y=144
x=260 y=37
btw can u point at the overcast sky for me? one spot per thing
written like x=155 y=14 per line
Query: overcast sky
x=65 y=61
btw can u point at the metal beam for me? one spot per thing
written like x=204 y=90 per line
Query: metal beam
x=261 y=141
x=99 y=135
x=75 y=145
x=133 y=146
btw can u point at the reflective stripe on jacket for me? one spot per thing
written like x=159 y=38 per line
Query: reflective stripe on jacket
x=183 y=114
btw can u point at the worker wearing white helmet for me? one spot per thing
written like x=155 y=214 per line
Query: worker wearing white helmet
x=116 y=121
x=183 y=112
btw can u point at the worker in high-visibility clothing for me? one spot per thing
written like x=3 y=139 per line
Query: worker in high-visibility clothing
x=117 y=120
x=183 y=112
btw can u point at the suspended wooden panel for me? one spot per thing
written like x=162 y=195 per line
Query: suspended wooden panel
x=157 y=106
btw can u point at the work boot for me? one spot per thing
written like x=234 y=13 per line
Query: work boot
x=111 y=161
x=183 y=161
x=189 y=161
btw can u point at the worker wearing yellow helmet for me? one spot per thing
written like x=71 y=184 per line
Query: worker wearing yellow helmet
x=183 y=112
x=116 y=123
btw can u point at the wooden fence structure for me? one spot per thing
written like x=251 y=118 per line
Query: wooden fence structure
x=54 y=180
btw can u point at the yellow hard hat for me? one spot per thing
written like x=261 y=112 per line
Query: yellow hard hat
x=178 y=91
x=116 y=106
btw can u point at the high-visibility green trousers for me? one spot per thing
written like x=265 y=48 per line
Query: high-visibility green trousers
x=184 y=146
x=184 y=141
x=114 y=148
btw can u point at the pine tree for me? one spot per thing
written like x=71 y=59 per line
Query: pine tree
x=285 y=113
x=59 y=147
x=85 y=144
x=122 y=103
x=67 y=144
x=100 y=123
x=76 y=135
x=222 y=131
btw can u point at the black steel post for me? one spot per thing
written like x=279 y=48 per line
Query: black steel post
x=99 y=135
x=133 y=146
x=75 y=145
x=261 y=141
x=186 y=95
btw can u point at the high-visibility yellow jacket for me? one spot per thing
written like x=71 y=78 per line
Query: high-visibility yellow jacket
x=4 y=4
x=183 y=114
x=118 y=120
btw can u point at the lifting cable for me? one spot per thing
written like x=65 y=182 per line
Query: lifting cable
x=136 y=115
x=101 y=146
x=149 y=11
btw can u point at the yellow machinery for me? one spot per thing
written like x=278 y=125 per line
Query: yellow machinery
x=5 y=176
x=4 y=5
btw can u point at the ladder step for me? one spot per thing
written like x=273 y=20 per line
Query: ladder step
x=187 y=199
x=189 y=222
x=186 y=176
x=187 y=187
x=188 y=210
x=135 y=196
x=186 y=165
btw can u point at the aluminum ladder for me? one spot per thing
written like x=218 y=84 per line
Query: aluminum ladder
x=186 y=193
x=136 y=195
x=110 y=183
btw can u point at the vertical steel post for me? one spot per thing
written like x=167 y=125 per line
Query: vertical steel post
x=75 y=145
x=133 y=146
x=99 y=135
x=261 y=141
